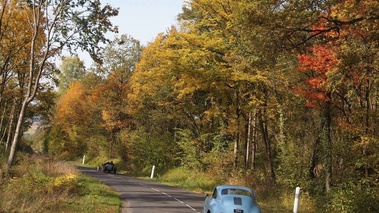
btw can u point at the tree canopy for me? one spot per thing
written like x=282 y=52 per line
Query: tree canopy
x=276 y=93
x=39 y=31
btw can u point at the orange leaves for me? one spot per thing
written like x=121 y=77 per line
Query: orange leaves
x=110 y=123
x=72 y=109
x=346 y=30
x=321 y=61
x=318 y=63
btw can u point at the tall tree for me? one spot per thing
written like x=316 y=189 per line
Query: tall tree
x=120 y=59
x=321 y=62
x=73 y=118
x=72 y=69
x=53 y=26
x=343 y=91
x=14 y=51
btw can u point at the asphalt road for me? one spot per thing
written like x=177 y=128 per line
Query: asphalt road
x=141 y=196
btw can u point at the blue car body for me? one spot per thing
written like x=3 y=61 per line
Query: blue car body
x=231 y=199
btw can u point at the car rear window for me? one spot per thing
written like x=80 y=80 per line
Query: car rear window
x=232 y=191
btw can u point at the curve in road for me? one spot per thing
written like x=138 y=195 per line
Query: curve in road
x=142 y=196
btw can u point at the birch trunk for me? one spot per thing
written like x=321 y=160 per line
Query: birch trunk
x=32 y=82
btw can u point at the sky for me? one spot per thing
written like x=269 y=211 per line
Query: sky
x=141 y=19
x=145 y=19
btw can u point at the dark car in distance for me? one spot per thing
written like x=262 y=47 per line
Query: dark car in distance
x=109 y=167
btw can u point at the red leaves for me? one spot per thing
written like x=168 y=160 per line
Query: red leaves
x=321 y=60
x=318 y=64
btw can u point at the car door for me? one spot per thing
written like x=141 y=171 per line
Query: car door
x=210 y=202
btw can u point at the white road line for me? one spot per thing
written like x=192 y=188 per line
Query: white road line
x=191 y=207
x=166 y=194
x=157 y=190
x=178 y=200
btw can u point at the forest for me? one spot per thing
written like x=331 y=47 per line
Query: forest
x=278 y=93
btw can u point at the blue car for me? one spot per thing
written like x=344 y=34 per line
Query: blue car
x=231 y=199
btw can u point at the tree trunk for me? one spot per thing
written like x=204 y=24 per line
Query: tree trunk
x=10 y=125
x=17 y=133
x=313 y=171
x=235 y=150
x=238 y=131
x=254 y=142
x=2 y=121
x=33 y=79
x=248 y=140
x=328 y=146
x=266 y=140
x=367 y=127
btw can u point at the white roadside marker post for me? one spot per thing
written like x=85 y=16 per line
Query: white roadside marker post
x=84 y=159
x=152 y=172
x=296 y=203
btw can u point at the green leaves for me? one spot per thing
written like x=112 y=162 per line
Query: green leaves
x=78 y=24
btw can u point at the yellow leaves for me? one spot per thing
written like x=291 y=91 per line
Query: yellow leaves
x=352 y=9
x=367 y=141
x=64 y=184
x=248 y=77
x=15 y=35
x=368 y=146
x=110 y=119
x=106 y=115
x=72 y=107
x=64 y=180
x=184 y=90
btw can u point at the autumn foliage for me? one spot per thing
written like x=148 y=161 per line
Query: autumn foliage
x=272 y=94
x=321 y=61
x=268 y=93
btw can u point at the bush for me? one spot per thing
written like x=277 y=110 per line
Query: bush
x=352 y=198
x=41 y=185
x=189 y=179
x=37 y=184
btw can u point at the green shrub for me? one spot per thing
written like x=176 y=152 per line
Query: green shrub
x=190 y=179
x=37 y=183
x=41 y=185
x=350 y=198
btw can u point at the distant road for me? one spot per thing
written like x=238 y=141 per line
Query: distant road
x=141 y=196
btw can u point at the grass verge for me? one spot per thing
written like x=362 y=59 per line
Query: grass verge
x=40 y=185
x=190 y=180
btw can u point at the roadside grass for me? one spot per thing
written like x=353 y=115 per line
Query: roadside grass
x=37 y=184
x=190 y=180
x=272 y=199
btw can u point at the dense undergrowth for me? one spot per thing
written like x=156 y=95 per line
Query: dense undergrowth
x=37 y=184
